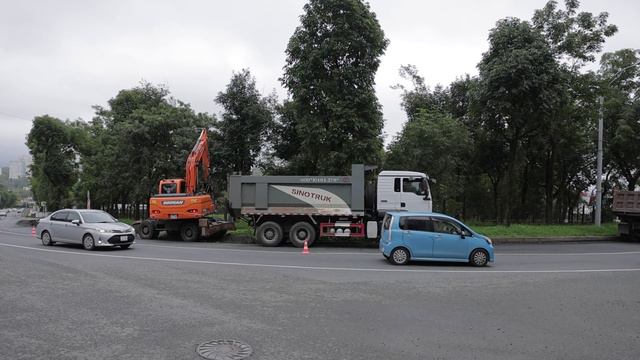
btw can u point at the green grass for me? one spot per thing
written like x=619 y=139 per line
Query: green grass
x=520 y=230
x=242 y=229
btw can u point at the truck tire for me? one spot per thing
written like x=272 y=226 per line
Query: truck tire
x=147 y=230
x=269 y=233
x=189 y=231
x=300 y=232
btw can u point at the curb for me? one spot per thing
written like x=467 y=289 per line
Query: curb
x=552 y=240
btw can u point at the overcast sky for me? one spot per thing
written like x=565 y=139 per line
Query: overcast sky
x=62 y=57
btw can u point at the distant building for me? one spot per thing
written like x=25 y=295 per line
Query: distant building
x=19 y=168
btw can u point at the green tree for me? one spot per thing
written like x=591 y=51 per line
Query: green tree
x=332 y=59
x=438 y=145
x=53 y=144
x=7 y=197
x=519 y=87
x=573 y=36
x=143 y=136
x=245 y=123
x=620 y=73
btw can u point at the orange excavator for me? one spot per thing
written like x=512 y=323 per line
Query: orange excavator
x=178 y=207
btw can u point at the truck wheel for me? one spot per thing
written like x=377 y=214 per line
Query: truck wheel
x=300 y=232
x=147 y=230
x=269 y=233
x=189 y=232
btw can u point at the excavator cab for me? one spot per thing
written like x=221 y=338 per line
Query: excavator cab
x=171 y=186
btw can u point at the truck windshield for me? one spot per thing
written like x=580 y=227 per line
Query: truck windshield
x=417 y=185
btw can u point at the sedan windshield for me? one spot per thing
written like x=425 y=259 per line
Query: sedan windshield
x=97 y=217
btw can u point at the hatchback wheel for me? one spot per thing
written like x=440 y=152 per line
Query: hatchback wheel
x=399 y=256
x=46 y=239
x=88 y=243
x=479 y=257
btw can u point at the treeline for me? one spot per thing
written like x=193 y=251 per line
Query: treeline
x=8 y=198
x=514 y=143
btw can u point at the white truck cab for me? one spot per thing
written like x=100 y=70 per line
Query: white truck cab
x=403 y=191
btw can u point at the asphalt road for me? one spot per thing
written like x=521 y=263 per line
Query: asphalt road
x=160 y=299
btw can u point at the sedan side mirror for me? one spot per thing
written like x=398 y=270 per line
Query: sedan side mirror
x=76 y=222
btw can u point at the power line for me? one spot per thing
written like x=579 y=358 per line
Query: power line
x=13 y=116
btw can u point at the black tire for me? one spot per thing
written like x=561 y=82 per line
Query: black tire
x=147 y=230
x=189 y=232
x=399 y=256
x=300 y=232
x=269 y=233
x=46 y=239
x=479 y=258
x=124 y=247
x=88 y=243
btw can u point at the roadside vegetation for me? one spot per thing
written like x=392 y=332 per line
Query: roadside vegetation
x=514 y=144
x=522 y=230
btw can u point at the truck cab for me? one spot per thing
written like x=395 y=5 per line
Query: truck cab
x=403 y=191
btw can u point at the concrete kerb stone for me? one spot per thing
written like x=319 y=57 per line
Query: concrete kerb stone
x=547 y=240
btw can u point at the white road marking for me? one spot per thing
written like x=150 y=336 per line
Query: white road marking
x=372 y=253
x=476 y=271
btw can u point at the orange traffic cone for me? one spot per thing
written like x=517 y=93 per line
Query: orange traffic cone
x=33 y=231
x=305 y=250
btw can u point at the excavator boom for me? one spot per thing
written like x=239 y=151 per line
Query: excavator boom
x=199 y=154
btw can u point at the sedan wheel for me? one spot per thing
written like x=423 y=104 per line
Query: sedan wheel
x=399 y=256
x=46 y=239
x=88 y=243
x=479 y=258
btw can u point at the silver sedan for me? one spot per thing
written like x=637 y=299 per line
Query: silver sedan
x=91 y=228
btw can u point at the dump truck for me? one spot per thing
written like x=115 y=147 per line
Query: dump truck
x=305 y=208
x=626 y=206
x=181 y=206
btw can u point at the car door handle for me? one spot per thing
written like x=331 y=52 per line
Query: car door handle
x=383 y=200
x=402 y=204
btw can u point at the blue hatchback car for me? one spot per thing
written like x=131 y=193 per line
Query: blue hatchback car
x=433 y=237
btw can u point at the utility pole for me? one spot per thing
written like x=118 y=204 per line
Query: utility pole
x=599 y=165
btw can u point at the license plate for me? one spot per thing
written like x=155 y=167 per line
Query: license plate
x=173 y=216
x=124 y=238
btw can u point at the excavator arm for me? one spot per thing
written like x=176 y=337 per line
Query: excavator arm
x=199 y=155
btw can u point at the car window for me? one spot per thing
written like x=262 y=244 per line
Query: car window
x=445 y=227
x=416 y=223
x=72 y=215
x=396 y=185
x=97 y=217
x=60 y=216
x=386 y=223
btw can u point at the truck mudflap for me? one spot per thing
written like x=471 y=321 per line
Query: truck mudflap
x=214 y=227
